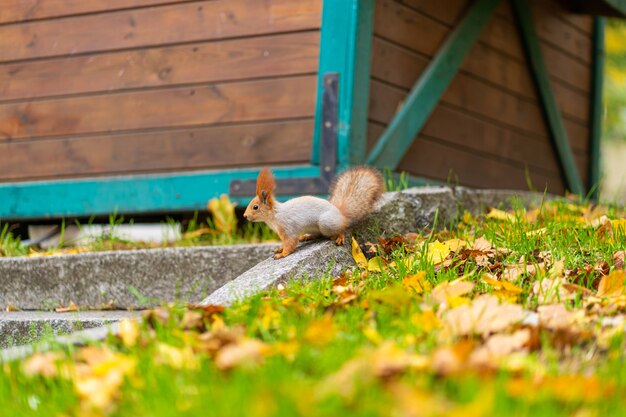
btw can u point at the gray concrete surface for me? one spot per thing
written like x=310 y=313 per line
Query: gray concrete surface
x=73 y=339
x=310 y=260
x=22 y=327
x=95 y=279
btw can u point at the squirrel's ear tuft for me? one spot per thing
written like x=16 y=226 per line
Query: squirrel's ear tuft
x=265 y=184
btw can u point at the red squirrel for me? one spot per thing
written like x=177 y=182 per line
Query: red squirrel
x=352 y=198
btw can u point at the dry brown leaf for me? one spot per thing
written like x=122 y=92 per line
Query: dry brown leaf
x=482 y=244
x=499 y=346
x=612 y=285
x=558 y=317
x=45 y=364
x=383 y=362
x=70 y=307
x=551 y=291
x=485 y=315
x=448 y=290
x=246 y=352
x=618 y=259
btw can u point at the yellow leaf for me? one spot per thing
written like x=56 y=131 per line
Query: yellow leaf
x=129 y=332
x=426 y=320
x=437 y=252
x=500 y=215
x=358 y=256
x=612 y=285
x=177 y=358
x=376 y=264
x=455 y=245
x=416 y=283
x=321 y=332
x=223 y=212
x=451 y=289
x=372 y=334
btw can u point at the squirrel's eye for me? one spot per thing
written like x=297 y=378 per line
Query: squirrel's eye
x=255 y=207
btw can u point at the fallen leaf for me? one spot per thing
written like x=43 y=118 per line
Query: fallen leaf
x=448 y=290
x=437 y=252
x=358 y=256
x=376 y=264
x=557 y=317
x=485 y=315
x=129 y=332
x=176 y=357
x=70 y=307
x=246 y=352
x=482 y=244
x=498 y=346
x=455 y=244
x=416 y=283
x=500 y=215
x=45 y=364
x=320 y=332
x=612 y=285
x=618 y=259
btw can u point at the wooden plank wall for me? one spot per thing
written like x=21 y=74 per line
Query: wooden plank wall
x=488 y=130
x=106 y=87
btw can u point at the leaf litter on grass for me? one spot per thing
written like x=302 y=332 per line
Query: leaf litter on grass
x=516 y=312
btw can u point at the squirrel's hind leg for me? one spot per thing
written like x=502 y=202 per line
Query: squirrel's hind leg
x=308 y=236
x=289 y=245
x=341 y=239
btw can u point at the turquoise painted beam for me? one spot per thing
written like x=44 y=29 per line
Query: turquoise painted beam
x=550 y=108
x=427 y=91
x=596 y=106
x=128 y=194
x=345 y=48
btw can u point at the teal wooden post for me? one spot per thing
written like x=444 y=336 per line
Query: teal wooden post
x=345 y=48
x=427 y=91
x=550 y=108
x=596 y=106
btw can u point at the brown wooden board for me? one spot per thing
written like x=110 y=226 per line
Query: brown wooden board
x=402 y=67
x=400 y=24
x=446 y=11
x=264 y=56
x=187 y=22
x=434 y=159
x=386 y=101
x=442 y=161
x=197 y=148
x=185 y=106
x=24 y=10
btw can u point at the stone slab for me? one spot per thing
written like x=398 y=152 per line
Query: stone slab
x=22 y=327
x=397 y=213
x=95 y=279
x=311 y=260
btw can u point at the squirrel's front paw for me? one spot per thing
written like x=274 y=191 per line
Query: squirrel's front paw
x=278 y=250
x=340 y=240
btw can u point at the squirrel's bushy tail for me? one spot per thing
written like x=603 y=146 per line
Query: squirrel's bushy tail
x=356 y=191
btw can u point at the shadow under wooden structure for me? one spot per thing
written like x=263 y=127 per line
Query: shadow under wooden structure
x=148 y=106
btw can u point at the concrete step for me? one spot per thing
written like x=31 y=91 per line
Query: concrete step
x=128 y=279
x=23 y=327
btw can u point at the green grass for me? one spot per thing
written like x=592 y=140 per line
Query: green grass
x=220 y=229
x=366 y=343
